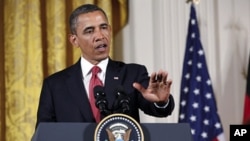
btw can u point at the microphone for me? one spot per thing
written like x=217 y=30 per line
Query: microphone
x=101 y=101
x=121 y=104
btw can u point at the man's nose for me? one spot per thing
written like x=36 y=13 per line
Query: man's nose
x=99 y=35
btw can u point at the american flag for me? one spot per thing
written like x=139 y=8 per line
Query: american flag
x=197 y=101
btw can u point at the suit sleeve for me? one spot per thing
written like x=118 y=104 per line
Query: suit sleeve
x=45 y=111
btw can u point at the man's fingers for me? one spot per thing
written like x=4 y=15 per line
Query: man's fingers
x=139 y=87
x=162 y=76
x=153 y=78
x=169 y=83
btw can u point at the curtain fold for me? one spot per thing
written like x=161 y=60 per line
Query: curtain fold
x=34 y=45
x=56 y=35
x=23 y=69
x=2 y=85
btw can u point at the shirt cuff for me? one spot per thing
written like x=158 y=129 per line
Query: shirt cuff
x=161 y=106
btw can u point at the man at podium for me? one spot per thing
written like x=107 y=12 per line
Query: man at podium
x=69 y=96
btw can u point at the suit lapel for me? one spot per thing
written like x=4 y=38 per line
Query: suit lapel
x=112 y=80
x=77 y=90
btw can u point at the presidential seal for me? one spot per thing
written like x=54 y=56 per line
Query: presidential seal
x=118 y=127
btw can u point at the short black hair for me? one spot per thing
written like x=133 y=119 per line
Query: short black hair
x=86 y=8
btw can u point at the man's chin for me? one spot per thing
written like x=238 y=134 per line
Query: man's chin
x=102 y=57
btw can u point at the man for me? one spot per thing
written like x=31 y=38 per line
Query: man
x=65 y=95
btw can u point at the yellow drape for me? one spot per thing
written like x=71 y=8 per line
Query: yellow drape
x=33 y=45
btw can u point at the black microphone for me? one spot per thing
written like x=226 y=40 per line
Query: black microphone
x=121 y=104
x=101 y=101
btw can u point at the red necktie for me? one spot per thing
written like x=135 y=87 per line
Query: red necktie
x=94 y=81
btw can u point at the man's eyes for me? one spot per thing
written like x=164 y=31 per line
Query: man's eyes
x=104 y=27
x=92 y=30
x=88 y=31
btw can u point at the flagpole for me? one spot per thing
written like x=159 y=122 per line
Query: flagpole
x=193 y=1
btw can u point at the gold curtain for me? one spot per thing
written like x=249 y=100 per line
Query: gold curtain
x=33 y=45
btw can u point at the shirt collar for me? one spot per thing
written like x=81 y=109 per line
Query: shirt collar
x=87 y=66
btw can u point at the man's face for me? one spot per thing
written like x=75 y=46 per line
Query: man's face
x=93 y=35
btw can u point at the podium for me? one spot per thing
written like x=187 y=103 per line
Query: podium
x=85 y=132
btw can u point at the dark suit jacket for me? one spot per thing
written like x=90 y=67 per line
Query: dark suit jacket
x=63 y=97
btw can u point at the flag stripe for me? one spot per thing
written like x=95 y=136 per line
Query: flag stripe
x=246 y=114
x=248 y=79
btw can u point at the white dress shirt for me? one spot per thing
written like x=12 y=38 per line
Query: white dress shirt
x=86 y=72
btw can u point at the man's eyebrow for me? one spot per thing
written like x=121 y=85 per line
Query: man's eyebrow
x=104 y=24
x=89 y=27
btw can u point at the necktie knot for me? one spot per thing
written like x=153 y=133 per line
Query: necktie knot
x=95 y=70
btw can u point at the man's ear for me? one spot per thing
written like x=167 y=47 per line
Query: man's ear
x=73 y=40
